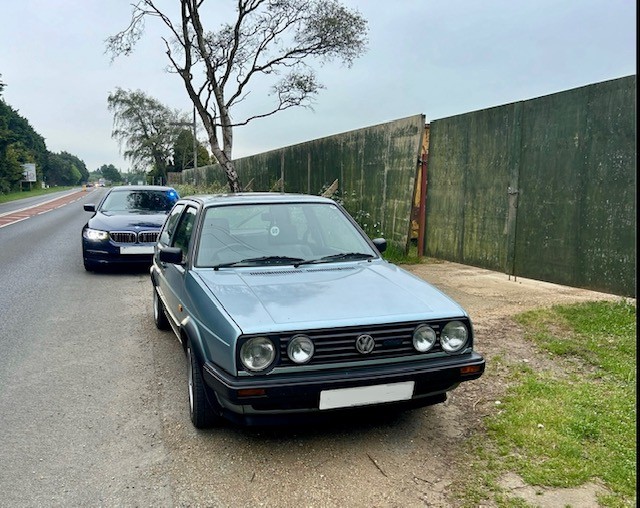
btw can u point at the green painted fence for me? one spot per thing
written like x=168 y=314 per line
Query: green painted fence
x=543 y=188
x=375 y=168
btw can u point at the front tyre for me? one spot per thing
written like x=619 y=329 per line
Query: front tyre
x=202 y=414
x=159 y=315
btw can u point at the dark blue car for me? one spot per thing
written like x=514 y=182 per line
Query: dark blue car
x=125 y=225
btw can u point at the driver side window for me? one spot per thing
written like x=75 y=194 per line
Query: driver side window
x=170 y=225
x=184 y=231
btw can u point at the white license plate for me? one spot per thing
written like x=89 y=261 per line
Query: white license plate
x=365 y=395
x=137 y=249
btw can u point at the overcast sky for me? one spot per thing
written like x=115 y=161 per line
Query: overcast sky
x=439 y=58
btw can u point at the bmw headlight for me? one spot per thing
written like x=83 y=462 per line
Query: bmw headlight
x=95 y=235
x=300 y=349
x=424 y=337
x=454 y=336
x=257 y=353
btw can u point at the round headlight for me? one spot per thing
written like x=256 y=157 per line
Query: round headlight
x=454 y=336
x=300 y=349
x=257 y=354
x=423 y=338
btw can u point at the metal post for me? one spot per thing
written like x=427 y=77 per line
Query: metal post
x=195 y=142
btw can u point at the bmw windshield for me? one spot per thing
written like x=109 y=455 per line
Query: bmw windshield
x=138 y=201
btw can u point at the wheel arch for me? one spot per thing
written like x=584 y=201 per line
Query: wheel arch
x=189 y=333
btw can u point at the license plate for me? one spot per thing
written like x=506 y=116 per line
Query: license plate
x=366 y=395
x=137 y=249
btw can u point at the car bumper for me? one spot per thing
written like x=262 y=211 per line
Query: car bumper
x=114 y=254
x=264 y=399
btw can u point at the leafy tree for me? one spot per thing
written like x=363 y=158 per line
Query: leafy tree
x=183 y=152
x=144 y=126
x=66 y=169
x=19 y=144
x=2 y=85
x=269 y=39
x=11 y=169
x=111 y=173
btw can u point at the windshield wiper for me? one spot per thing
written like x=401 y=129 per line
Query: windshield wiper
x=344 y=256
x=267 y=260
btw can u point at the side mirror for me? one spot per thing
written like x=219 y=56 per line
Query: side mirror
x=89 y=207
x=172 y=255
x=381 y=244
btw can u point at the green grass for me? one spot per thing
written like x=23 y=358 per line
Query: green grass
x=13 y=196
x=573 y=425
x=399 y=257
x=185 y=190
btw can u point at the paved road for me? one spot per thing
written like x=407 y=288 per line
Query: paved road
x=76 y=425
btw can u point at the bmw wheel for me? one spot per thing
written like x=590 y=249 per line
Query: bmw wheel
x=159 y=315
x=201 y=412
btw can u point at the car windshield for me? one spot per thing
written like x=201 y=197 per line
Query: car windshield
x=279 y=234
x=139 y=201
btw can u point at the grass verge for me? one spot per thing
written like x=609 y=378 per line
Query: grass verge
x=574 y=424
x=13 y=196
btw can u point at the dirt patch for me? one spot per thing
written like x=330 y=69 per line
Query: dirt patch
x=585 y=496
x=492 y=299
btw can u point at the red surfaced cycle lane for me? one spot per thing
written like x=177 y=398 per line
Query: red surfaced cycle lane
x=25 y=213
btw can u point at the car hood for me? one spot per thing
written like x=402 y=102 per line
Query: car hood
x=126 y=221
x=266 y=300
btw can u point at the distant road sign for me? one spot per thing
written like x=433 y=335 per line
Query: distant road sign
x=29 y=172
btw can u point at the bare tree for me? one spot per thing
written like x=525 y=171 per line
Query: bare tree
x=270 y=38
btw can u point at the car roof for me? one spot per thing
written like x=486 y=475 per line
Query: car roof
x=142 y=187
x=255 y=197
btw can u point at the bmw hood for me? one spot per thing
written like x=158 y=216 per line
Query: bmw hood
x=263 y=300
x=127 y=221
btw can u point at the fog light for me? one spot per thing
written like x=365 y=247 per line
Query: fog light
x=424 y=337
x=300 y=349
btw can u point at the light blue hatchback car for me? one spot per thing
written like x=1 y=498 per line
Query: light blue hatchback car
x=286 y=310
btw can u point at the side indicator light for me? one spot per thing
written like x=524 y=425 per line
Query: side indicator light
x=470 y=369
x=251 y=392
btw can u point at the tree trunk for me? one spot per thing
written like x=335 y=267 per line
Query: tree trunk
x=232 y=175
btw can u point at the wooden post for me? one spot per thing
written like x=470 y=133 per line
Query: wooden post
x=422 y=216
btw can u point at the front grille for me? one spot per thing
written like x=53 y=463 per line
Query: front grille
x=148 y=236
x=339 y=345
x=131 y=237
x=123 y=236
